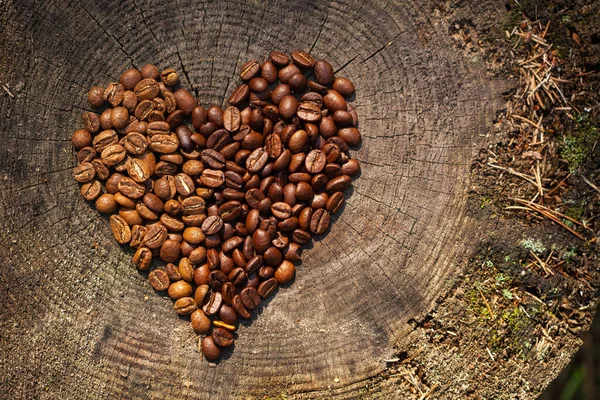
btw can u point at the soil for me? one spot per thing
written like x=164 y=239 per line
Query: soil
x=427 y=285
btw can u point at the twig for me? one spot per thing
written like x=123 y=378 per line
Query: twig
x=586 y=180
x=513 y=172
x=528 y=120
x=426 y=395
x=487 y=304
x=559 y=184
x=542 y=210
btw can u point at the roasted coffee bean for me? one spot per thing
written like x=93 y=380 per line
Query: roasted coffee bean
x=81 y=138
x=250 y=298
x=254 y=263
x=287 y=72
x=335 y=202
x=257 y=160
x=315 y=161
x=135 y=143
x=185 y=306
x=169 y=251
x=272 y=256
x=216 y=279
x=279 y=92
x=172 y=224
x=261 y=240
x=212 y=159
x=266 y=288
x=130 y=188
x=185 y=101
x=222 y=337
x=146 y=89
x=143 y=109
x=91 y=122
x=298 y=141
x=285 y=272
x=91 y=190
x=231 y=119
x=138 y=233
x=303 y=59
x=184 y=185
x=230 y=210
x=193 y=205
x=212 y=306
x=212 y=225
x=156 y=236
x=159 y=279
x=234 y=181
x=288 y=105
x=317 y=87
x=169 y=77
x=324 y=73
x=113 y=93
x=120 y=229
x=351 y=168
x=104 y=139
x=200 y=322
x=84 y=172
x=300 y=236
x=319 y=221
x=218 y=139
x=350 y=136
x=228 y=292
x=281 y=210
x=208 y=347
x=129 y=102
x=212 y=178
x=96 y=96
x=338 y=184
x=102 y=171
x=186 y=269
x=142 y=258
x=239 y=307
x=239 y=95
x=343 y=86
x=249 y=70
x=309 y=112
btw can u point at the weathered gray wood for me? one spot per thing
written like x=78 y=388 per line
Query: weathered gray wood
x=79 y=322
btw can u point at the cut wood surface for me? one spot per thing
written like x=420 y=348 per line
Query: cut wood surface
x=79 y=322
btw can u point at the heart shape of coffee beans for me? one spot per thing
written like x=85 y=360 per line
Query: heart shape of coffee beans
x=218 y=203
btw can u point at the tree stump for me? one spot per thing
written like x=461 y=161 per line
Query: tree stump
x=78 y=321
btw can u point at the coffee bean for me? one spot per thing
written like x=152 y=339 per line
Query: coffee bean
x=135 y=143
x=210 y=350
x=146 y=89
x=288 y=105
x=315 y=161
x=113 y=93
x=222 y=337
x=351 y=168
x=266 y=288
x=285 y=272
x=338 y=184
x=279 y=59
x=212 y=225
x=185 y=306
x=281 y=210
x=120 y=229
x=239 y=95
x=309 y=112
x=164 y=144
x=91 y=190
x=303 y=59
x=239 y=307
x=158 y=279
x=142 y=258
x=319 y=221
x=231 y=119
x=193 y=205
x=350 y=136
x=324 y=73
x=113 y=154
x=212 y=178
x=96 y=96
x=212 y=306
x=249 y=70
x=185 y=101
x=169 y=77
x=81 y=138
x=84 y=172
x=343 y=86
x=200 y=322
x=334 y=101
x=287 y=72
x=156 y=236
x=250 y=298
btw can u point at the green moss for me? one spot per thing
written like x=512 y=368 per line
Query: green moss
x=576 y=146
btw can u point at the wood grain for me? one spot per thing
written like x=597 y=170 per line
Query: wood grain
x=79 y=322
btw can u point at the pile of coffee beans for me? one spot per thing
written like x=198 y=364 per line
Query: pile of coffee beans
x=219 y=203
